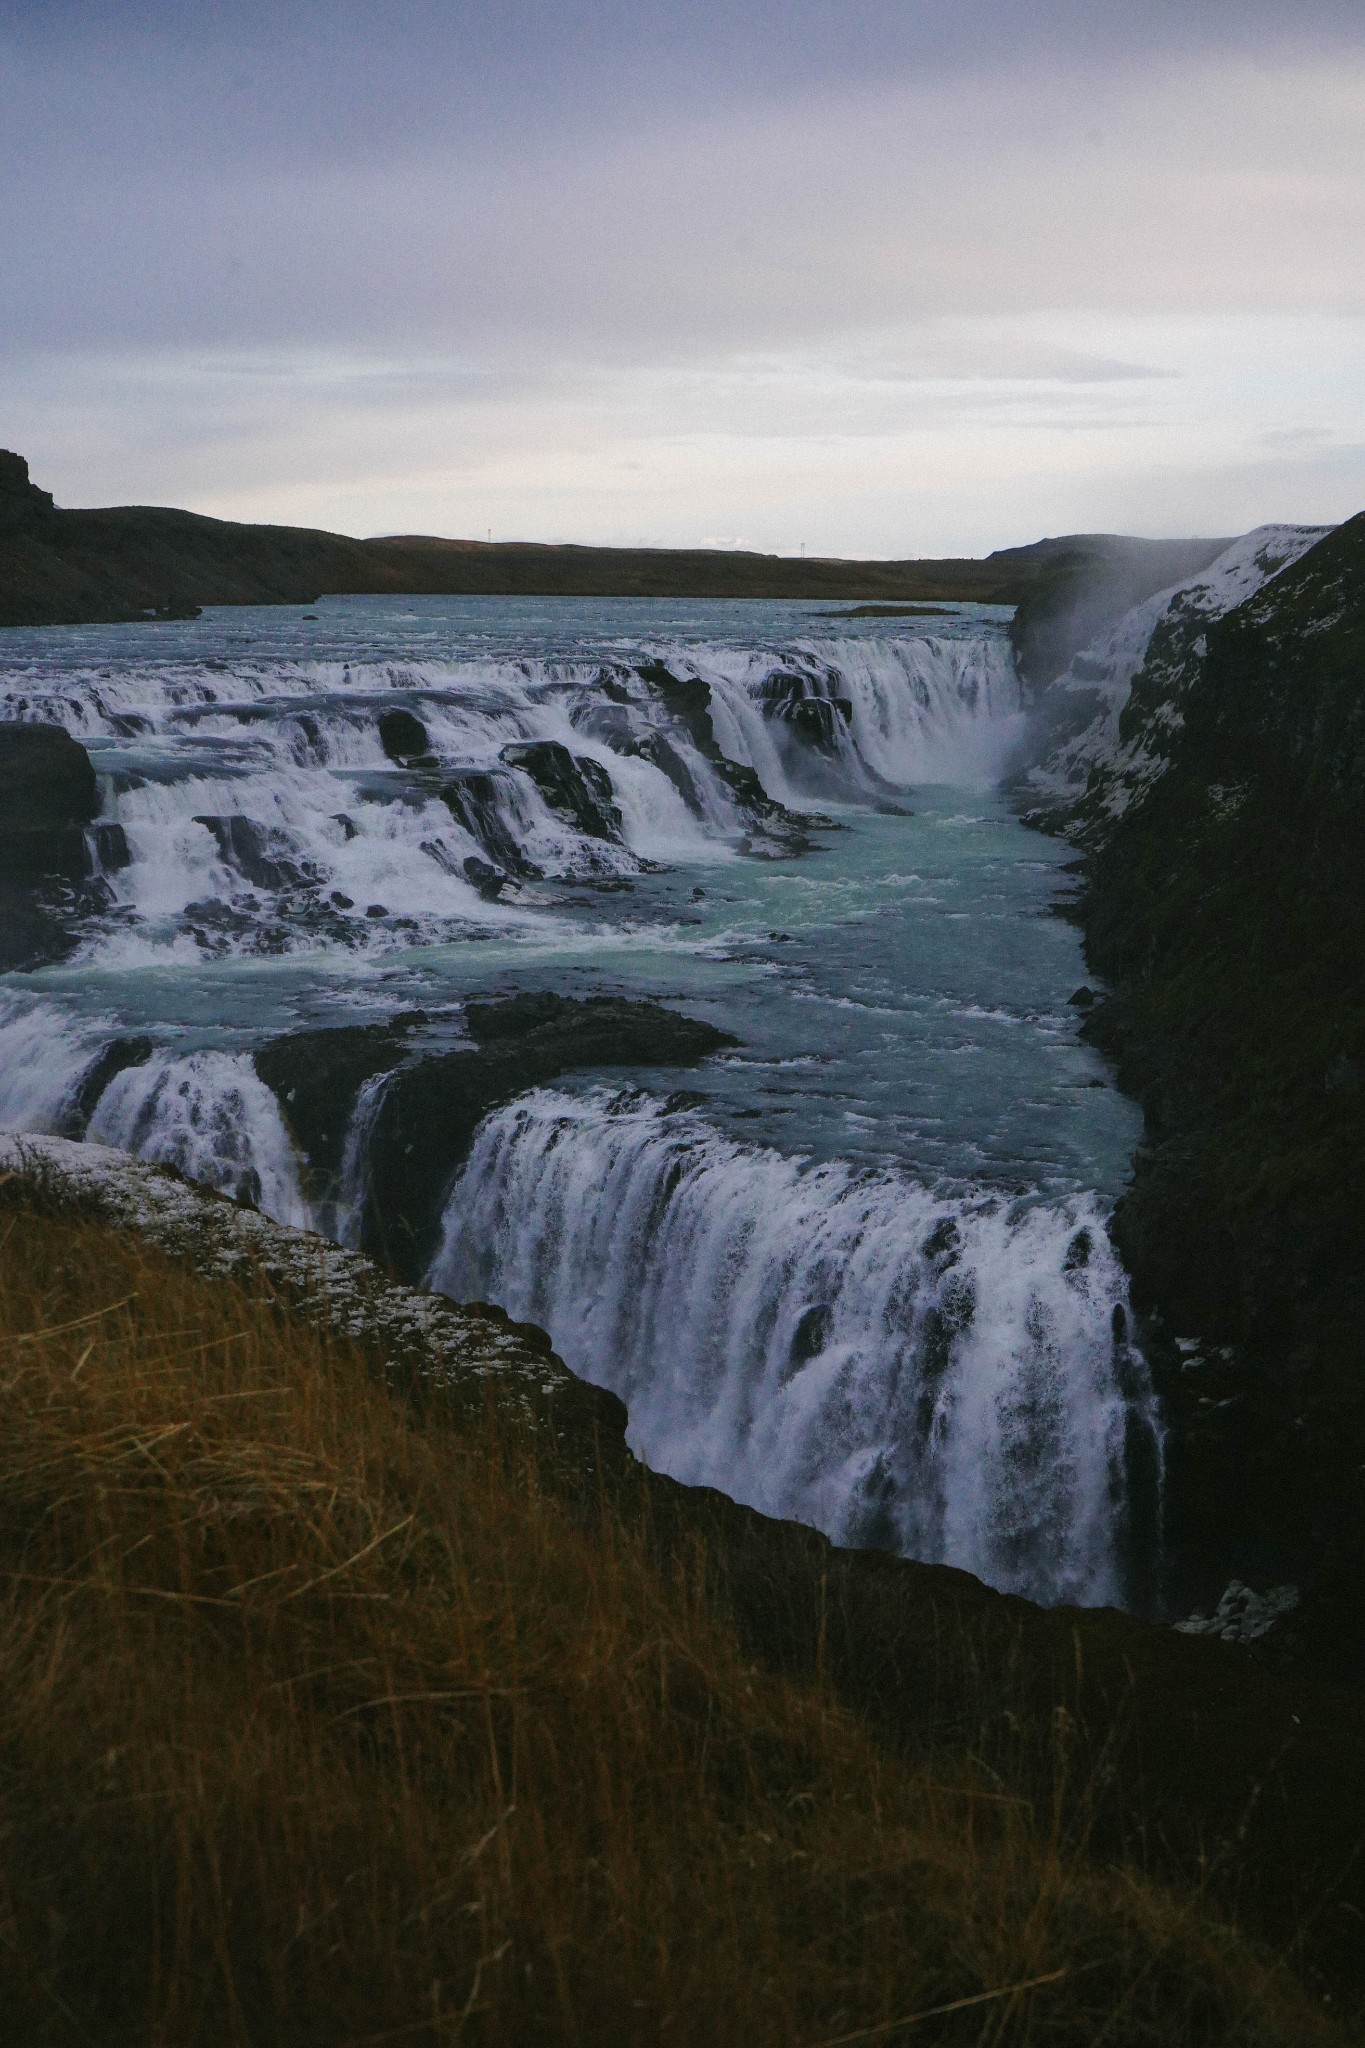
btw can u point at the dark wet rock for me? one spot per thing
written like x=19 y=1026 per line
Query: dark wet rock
x=402 y=735
x=687 y=699
x=657 y=748
x=46 y=779
x=483 y=876
x=48 y=796
x=475 y=798
x=818 y=722
x=111 y=848
x=116 y=1059
x=1082 y=998
x=252 y=851
x=810 y=1336
x=31 y=935
x=574 y=787
x=317 y=1075
x=885 y=808
x=432 y=1107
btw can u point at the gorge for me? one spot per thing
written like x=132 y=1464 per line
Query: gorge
x=678 y=975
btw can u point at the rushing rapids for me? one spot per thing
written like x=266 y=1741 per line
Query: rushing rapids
x=862 y=1277
x=949 y=1379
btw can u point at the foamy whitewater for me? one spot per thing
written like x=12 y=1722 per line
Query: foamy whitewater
x=856 y=1271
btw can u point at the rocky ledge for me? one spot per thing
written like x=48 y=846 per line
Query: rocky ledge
x=426 y=1113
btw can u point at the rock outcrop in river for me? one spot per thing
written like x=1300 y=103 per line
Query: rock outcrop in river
x=426 y=1113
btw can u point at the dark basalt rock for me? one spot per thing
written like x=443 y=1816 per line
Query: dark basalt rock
x=818 y=722
x=575 y=788
x=402 y=735
x=317 y=1076
x=245 y=847
x=115 y=1059
x=48 y=796
x=30 y=935
x=111 y=847
x=47 y=781
x=483 y=876
x=474 y=799
x=432 y=1107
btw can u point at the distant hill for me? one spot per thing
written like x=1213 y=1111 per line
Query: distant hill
x=135 y=561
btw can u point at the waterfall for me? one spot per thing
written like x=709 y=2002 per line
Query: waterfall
x=353 y=1182
x=296 y=806
x=208 y=1114
x=948 y=1378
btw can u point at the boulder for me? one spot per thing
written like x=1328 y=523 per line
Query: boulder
x=402 y=735
x=245 y=846
x=475 y=799
x=47 y=782
x=48 y=796
x=574 y=787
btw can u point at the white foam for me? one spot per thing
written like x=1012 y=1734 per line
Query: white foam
x=801 y=1338
x=210 y=1115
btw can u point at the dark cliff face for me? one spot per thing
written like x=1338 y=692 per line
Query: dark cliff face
x=1086 y=584
x=1227 y=910
x=22 y=504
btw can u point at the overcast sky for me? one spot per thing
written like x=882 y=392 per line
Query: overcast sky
x=873 y=275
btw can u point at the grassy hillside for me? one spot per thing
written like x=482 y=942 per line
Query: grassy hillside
x=334 y=1711
x=123 y=562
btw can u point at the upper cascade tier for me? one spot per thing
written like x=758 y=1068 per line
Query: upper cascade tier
x=272 y=806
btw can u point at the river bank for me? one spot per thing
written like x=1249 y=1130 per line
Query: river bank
x=1115 y=1778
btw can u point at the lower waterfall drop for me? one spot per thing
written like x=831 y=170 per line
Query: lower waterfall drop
x=208 y=1114
x=947 y=1378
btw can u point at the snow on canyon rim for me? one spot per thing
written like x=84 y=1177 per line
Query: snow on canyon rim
x=857 y=1272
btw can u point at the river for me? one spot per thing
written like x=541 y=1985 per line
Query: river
x=855 y=1270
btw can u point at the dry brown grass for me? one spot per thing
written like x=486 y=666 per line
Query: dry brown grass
x=325 y=1721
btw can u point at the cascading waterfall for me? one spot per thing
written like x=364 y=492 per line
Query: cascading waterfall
x=950 y=1379
x=948 y=1375
x=208 y=1114
x=348 y=1212
x=269 y=809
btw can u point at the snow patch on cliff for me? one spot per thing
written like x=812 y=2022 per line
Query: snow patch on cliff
x=1103 y=732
